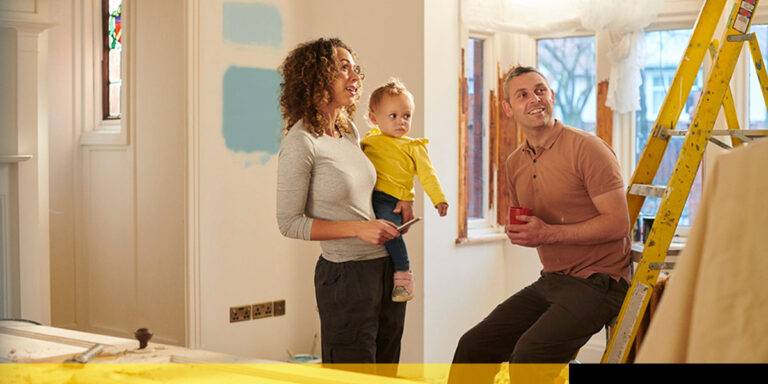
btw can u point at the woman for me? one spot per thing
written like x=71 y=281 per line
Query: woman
x=324 y=189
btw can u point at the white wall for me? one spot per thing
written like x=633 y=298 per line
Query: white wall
x=9 y=138
x=118 y=211
x=64 y=154
x=243 y=257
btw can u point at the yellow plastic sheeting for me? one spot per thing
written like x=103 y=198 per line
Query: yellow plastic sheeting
x=264 y=373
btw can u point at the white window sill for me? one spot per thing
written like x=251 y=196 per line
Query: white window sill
x=483 y=236
x=109 y=136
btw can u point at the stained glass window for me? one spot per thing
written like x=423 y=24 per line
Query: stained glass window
x=112 y=32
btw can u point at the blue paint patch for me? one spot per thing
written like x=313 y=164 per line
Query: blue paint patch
x=253 y=23
x=251 y=112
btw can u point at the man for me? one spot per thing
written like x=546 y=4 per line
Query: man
x=580 y=228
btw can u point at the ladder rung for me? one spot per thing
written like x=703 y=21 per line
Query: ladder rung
x=739 y=38
x=667 y=265
x=726 y=132
x=719 y=143
x=648 y=190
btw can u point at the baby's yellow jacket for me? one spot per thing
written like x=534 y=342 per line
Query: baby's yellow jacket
x=397 y=160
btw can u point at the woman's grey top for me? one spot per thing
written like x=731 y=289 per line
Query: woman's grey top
x=325 y=178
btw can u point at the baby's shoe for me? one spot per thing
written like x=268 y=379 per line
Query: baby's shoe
x=403 y=290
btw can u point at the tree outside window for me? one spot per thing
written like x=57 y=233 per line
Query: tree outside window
x=569 y=65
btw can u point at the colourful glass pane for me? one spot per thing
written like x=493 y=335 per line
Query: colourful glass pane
x=115 y=26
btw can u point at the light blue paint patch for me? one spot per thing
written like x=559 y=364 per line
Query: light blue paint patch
x=264 y=158
x=253 y=23
x=248 y=163
x=251 y=120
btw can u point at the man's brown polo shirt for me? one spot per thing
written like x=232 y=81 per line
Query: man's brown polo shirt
x=558 y=181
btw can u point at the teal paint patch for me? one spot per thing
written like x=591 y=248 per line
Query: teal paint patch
x=253 y=23
x=251 y=113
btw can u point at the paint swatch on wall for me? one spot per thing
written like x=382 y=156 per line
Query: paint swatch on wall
x=251 y=120
x=252 y=24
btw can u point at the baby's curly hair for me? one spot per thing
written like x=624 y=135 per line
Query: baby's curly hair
x=392 y=87
x=308 y=73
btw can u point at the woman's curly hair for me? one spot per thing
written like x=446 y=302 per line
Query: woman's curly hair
x=308 y=73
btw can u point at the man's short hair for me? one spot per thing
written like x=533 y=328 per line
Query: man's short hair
x=516 y=71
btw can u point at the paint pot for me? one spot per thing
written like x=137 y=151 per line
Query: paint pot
x=519 y=211
x=304 y=358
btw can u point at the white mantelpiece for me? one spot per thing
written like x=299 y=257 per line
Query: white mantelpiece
x=24 y=135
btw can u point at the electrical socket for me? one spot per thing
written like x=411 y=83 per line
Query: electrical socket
x=279 y=307
x=241 y=313
x=262 y=310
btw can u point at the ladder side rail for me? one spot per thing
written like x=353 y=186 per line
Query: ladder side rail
x=729 y=107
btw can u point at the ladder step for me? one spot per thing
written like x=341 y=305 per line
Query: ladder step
x=648 y=190
x=750 y=133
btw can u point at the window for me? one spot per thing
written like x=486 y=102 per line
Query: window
x=569 y=64
x=106 y=70
x=662 y=54
x=111 y=58
x=476 y=129
x=758 y=115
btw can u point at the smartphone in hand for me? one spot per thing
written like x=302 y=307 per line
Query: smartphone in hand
x=408 y=224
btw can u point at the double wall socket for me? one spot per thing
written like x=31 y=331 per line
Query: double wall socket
x=241 y=313
x=262 y=310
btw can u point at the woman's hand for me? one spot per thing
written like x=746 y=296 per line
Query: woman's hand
x=376 y=231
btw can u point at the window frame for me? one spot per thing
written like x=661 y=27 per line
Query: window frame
x=478 y=227
x=96 y=129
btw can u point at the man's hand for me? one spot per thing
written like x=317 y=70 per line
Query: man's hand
x=405 y=209
x=533 y=233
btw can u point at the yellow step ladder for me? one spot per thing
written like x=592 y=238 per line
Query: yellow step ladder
x=716 y=93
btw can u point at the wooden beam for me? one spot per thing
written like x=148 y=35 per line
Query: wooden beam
x=463 y=109
x=604 y=127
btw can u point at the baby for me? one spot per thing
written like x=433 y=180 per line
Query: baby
x=397 y=159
